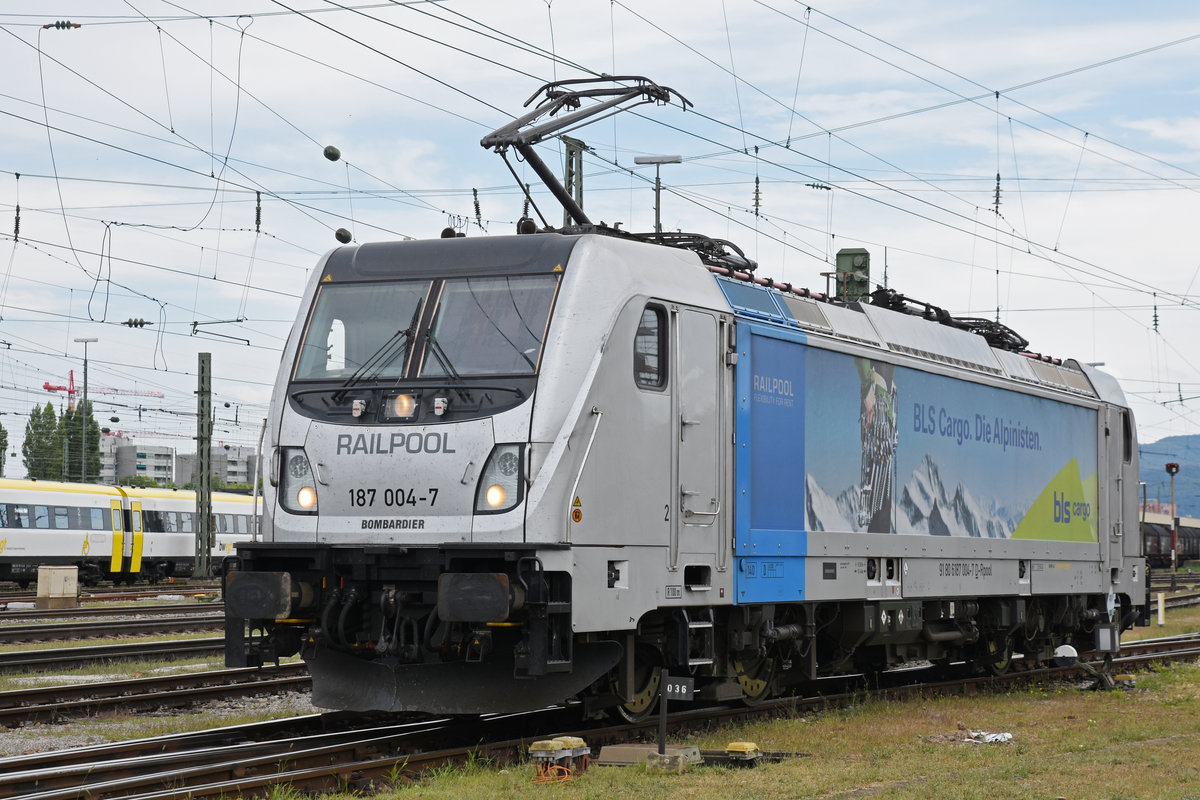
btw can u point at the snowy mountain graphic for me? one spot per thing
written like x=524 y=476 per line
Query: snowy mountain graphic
x=827 y=513
x=924 y=506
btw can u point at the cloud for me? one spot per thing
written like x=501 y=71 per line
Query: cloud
x=128 y=207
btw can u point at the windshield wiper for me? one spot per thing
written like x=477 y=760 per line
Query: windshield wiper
x=443 y=360
x=383 y=356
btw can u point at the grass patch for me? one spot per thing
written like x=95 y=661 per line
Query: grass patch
x=1178 y=621
x=1140 y=743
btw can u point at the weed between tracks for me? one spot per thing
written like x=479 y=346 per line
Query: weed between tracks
x=121 y=727
x=109 y=672
x=1067 y=743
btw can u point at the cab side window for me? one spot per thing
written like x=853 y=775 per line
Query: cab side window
x=650 y=349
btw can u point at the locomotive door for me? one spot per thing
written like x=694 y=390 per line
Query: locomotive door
x=1117 y=460
x=697 y=403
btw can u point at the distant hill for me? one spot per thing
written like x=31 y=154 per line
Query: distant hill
x=1185 y=451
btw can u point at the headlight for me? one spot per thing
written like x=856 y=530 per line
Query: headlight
x=297 y=486
x=306 y=498
x=401 y=407
x=502 y=482
x=495 y=495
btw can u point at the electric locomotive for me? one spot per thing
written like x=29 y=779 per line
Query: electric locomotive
x=513 y=471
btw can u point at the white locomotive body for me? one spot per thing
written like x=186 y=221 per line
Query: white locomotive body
x=512 y=471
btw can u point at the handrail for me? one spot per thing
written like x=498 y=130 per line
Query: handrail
x=582 y=463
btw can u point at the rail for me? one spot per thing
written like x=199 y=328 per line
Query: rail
x=326 y=753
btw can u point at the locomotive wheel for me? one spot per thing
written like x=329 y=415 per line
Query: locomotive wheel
x=754 y=676
x=998 y=655
x=646 y=679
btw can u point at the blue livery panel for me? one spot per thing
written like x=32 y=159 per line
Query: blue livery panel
x=897 y=450
x=770 y=505
x=827 y=441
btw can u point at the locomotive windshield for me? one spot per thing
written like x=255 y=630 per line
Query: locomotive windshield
x=489 y=326
x=364 y=332
x=356 y=326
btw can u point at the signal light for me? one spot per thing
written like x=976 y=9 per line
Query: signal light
x=1172 y=468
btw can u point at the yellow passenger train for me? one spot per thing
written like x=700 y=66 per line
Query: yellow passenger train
x=117 y=533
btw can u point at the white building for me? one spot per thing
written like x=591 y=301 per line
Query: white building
x=231 y=463
x=122 y=458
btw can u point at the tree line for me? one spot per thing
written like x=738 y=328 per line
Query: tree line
x=55 y=443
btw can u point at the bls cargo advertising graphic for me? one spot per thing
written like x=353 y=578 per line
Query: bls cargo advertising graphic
x=889 y=449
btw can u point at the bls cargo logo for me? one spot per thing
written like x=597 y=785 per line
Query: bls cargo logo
x=1065 y=510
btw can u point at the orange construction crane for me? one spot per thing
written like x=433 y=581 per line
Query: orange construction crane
x=71 y=391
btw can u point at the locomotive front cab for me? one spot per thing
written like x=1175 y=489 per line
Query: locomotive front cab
x=394 y=528
x=407 y=409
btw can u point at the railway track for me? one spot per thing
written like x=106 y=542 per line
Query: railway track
x=360 y=753
x=232 y=760
x=57 y=703
x=65 y=631
x=1138 y=653
x=19 y=616
x=72 y=657
x=1183 y=580
x=1181 y=600
x=115 y=595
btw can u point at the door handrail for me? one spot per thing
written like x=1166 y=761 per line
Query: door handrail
x=582 y=463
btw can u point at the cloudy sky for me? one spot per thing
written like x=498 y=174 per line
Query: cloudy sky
x=167 y=161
